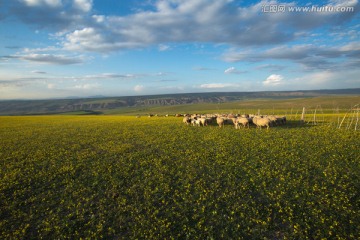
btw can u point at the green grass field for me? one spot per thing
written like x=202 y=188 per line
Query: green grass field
x=121 y=177
x=285 y=106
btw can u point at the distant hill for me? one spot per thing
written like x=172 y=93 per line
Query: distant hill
x=98 y=105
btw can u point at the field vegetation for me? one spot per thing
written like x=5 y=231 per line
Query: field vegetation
x=174 y=103
x=286 y=106
x=121 y=177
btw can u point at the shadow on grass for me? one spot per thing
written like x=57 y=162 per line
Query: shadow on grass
x=289 y=124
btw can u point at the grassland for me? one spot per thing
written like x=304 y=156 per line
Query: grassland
x=173 y=103
x=121 y=177
x=325 y=104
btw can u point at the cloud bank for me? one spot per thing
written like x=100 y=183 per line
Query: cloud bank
x=278 y=50
x=176 y=21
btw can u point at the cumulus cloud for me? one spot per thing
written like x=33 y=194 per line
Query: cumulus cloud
x=98 y=18
x=139 y=88
x=173 y=21
x=47 y=55
x=249 y=33
x=273 y=80
x=50 y=14
x=311 y=57
x=219 y=21
x=280 y=52
x=93 y=40
x=83 y=5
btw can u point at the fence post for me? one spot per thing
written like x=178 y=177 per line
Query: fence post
x=302 y=120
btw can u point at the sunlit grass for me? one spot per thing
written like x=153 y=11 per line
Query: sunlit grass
x=156 y=178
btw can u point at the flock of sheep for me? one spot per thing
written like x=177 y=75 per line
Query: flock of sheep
x=238 y=120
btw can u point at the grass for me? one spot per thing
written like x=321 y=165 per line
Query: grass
x=122 y=177
x=266 y=106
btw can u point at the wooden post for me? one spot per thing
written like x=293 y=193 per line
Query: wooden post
x=357 y=118
x=302 y=120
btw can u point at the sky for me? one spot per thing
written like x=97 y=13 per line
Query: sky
x=86 y=48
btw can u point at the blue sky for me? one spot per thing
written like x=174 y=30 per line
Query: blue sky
x=62 y=48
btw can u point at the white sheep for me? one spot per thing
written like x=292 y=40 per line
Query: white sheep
x=193 y=121
x=262 y=122
x=187 y=120
x=203 y=121
x=234 y=121
x=220 y=121
x=243 y=121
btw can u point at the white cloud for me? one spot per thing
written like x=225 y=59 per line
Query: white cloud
x=219 y=21
x=234 y=55
x=273 y=80
x=87 y=86
x=343 y=3
x=25 y=83
x=51 y=3
x=139 y=88
x=115 y=75
x=51 y=86
x=325 y=80
x=57 y=15
x=39 y=72
x=217 y=85
x=51 y=58
x=233 y=70
x=111 y=76
x=268 y=42
x=83 y=5
x=173 y=21
x=93 y=40
x=311 y=57
x=163 y=47
x=229 y=70
x=99 y=18
x=353 y=46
